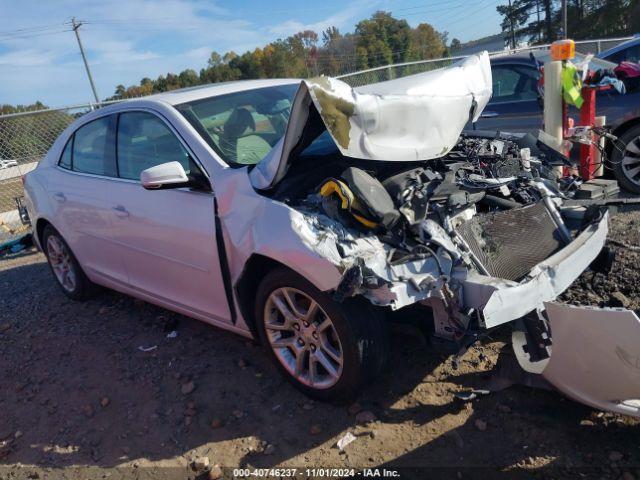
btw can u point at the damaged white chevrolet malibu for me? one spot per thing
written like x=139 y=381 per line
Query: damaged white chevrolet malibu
x=307 y=215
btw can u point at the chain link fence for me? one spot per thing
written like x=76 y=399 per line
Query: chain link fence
x=389 y=72
x=26 y=137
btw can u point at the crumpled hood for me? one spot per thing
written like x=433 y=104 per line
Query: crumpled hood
x=418 y=117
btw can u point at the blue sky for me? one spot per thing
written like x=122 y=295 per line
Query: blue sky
x=126 y=40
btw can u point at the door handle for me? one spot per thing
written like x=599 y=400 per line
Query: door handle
x=120 y=211
x=59 y=196
x=489 y=114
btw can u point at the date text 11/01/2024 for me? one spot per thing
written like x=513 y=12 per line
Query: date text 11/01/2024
x=315 y=473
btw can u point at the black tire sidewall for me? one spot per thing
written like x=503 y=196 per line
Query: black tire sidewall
x=616 y=160
x=354 y=370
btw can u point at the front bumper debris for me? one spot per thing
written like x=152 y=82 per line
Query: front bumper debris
x=595 y=356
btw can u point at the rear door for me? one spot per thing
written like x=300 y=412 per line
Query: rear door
x=78 y=186
x=515 y=104
x=166 y=238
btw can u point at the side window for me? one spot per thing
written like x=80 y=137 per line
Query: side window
x=633 y=54
x=144 y=141
x=617 y=57
x=514 y=83
x=65 y=158
x=93 y=148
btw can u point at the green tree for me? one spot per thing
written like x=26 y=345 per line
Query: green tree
x=425 y=42
x=382 y=40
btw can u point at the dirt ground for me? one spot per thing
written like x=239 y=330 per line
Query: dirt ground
x=79 y=398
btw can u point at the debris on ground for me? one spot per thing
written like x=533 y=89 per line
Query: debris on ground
x=480 y=424
x=200 y=464
x=147 y=349
x=366 y=416
x=188 y=388
x=215 y=473
x=16 y=245
x=472 y=395
x=345 y=440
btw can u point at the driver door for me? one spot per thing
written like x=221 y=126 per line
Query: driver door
x=166 y=238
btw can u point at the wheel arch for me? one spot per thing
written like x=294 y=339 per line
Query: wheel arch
x=255 y=269
x=41 y=223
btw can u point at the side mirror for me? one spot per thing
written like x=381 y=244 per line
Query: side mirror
x=165 y=175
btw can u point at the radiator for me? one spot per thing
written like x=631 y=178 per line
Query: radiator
x=509 y=243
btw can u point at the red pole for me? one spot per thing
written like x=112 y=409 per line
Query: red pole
x=587 y=118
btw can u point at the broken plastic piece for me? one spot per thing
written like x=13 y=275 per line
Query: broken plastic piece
x=596 y=356
x=147 y=349
x=345 y=440
x=472 y=395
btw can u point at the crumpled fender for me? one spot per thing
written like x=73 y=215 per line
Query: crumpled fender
x=596 y=356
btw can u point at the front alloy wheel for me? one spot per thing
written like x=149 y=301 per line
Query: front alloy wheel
x=326 y=349
x=303 y=338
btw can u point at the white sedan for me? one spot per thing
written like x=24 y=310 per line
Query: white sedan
x=307 y=215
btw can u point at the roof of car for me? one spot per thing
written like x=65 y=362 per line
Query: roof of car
x=620 y=46
x=176 y=97
x=544 y=56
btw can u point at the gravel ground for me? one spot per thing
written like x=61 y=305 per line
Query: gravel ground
x=79 y=399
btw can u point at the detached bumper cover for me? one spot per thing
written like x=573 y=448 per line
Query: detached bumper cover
x=596 y=356
x=502 y=301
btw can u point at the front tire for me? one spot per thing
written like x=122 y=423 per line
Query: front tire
x=64 y=266
x=626 y=163
x=328 y=350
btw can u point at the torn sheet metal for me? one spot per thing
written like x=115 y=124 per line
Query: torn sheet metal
x=596 y=356
x=396 y=120
x=502 y=301
x=395 y=285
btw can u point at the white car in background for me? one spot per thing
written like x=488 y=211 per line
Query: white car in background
x=307 y=215
x=8 y=163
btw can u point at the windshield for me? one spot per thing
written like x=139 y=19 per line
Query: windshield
x=242 y=127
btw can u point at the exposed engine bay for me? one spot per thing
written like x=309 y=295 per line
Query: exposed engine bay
x=481 y=235
x=489 y=207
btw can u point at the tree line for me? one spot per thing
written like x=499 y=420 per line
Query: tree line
x=379 y=40
x=540 y=21
x=383 y=39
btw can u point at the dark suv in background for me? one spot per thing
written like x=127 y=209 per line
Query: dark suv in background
x=516 y=106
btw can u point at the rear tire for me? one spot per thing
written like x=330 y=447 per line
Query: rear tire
x=328 y=350
x=626 y=165
x=64 y=266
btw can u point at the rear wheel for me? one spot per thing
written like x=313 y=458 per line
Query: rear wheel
x=326 y=349
x=65 y=267
x=626 y=160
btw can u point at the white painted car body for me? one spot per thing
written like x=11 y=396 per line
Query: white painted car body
x=190 y=251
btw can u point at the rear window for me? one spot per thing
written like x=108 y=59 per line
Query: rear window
x=94 y=149
x=65 y=158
